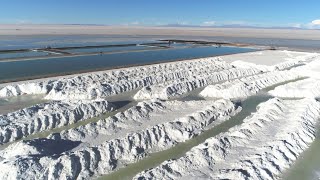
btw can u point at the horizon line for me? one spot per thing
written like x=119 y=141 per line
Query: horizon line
x=170 y=25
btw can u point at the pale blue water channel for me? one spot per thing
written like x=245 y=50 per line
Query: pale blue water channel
x=27 y=69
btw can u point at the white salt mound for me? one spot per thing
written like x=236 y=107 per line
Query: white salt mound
x=263 y=147
x=248 y=86
x=180 y=88
x=108 y=155
x=299 y=89
x=266 y=144
x=47 y=116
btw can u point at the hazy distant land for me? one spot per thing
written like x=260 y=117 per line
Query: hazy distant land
x=24 y=29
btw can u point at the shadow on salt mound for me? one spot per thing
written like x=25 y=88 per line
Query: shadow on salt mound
x=3 y=122
x=39 y=147
x=120 y=104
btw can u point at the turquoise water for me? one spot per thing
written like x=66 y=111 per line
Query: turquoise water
x=37 y=41
x=108 y=49
x=40 y=41
x=19 y=70
x=22 y=54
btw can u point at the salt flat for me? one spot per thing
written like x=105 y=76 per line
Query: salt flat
x=266 y=57
x=263 y=146
x=56 y=29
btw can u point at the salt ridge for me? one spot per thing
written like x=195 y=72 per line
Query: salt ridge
x=300 y=89
x=47 y=116
x=181 y=88
x=106 y=83
x=107 y=156
x=154 y=125
x=261 y=148
x=248 y=86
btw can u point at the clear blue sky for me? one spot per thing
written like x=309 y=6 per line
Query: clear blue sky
x=161 y=12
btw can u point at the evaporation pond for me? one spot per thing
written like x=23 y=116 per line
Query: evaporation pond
x=18 y=70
